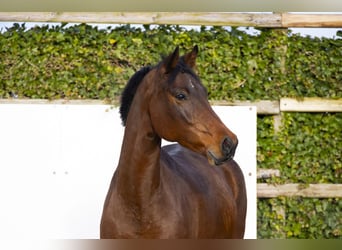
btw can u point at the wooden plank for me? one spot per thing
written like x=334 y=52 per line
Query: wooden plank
x=185 y=18
x=312 y=20
x=265 y=107
x=313 y=190
x=277 y=123
x=276 y=20
x=263 y=173
x=58 y=101
x=310 y=104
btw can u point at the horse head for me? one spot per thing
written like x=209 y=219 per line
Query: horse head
x=180 y=112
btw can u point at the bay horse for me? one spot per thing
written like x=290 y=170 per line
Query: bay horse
x=191 y=189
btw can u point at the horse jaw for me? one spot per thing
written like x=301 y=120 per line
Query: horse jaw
x=214 y=161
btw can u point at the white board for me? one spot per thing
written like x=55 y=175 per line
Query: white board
x=57 y=160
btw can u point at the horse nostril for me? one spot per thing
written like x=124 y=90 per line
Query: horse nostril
x=228 y=147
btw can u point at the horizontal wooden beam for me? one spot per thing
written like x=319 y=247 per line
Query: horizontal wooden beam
x=275 y=20
x=58 y=101
x=312 y=190
x=263 y=173
x=310 y=104
x=185 y=18
x=311 y=20
x=265 y=107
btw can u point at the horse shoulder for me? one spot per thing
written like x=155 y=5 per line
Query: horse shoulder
x=235 y=179
x=234 y=176
x=119 y=220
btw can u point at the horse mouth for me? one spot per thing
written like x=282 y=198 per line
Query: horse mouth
x=213 y=160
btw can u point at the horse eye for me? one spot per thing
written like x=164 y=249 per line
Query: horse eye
x=181 y=97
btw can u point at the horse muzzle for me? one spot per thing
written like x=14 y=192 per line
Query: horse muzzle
x=227 y=152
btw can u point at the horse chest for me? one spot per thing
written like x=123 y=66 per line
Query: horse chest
x=192 y=213
x=188 y=215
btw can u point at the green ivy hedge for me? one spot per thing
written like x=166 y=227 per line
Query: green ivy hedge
x=84 y=62
x=303 y=218
x=306 y=149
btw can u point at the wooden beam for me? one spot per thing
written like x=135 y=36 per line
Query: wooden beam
x=265 y=107
x=181 y=18
x=263 y=173
x=57 y=101
x=313 y=190
x=310 y=104
x=275 y=20
x=312 y=20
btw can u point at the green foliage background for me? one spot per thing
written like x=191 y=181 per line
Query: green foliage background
x=84 y=62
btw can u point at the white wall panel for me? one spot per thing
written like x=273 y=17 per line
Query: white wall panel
x=57 y=160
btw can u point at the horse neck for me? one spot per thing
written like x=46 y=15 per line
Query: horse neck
x=139 y=165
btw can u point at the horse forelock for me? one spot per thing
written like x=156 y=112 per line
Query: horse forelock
x=182 y=67
x=129 y=92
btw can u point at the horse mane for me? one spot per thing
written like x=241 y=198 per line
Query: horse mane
x=129 y=92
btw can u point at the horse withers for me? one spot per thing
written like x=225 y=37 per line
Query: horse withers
x=191 y=189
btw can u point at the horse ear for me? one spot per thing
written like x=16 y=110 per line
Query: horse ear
x=190 y=58
x=171 y=61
